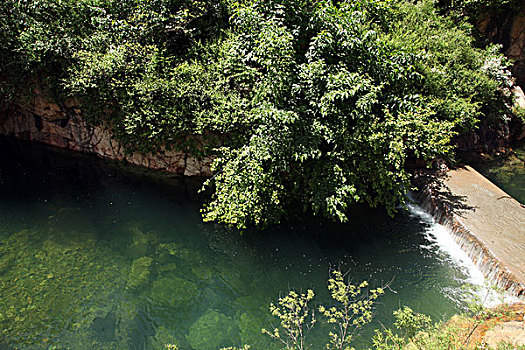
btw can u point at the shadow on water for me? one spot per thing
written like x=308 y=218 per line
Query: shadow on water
x=94 y=254
x=507 y=171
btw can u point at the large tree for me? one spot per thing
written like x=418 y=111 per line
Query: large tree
x=319 y=103
x=338 y=96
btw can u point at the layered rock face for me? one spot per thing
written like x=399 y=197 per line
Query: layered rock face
x=508 y=29
x=62 y=126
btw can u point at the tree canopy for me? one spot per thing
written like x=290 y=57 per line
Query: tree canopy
x=319 y=104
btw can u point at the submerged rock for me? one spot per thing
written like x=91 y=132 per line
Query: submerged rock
x=180 y=252
x=139 y=243
x=6 y=260
x=169 y=267
x=213 y=330
x=162 y=338
x=250 y=328
x=64 y=242
x=174 y=291
x=134 y=326
x=70 y=219
x=104 y=327
x=202 y=272
x=140 y=272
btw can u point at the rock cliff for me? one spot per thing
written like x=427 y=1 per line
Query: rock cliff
x=507 y=27
x=62 y=126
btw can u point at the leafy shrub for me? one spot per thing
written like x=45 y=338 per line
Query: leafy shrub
x=352 y=310
x=319 y=104
x=339 y=97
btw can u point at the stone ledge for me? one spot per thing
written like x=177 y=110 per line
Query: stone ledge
x=486 y=223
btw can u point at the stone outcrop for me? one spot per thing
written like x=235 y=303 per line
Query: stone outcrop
x=507 y=27
x=484 y=221
x=63 y=126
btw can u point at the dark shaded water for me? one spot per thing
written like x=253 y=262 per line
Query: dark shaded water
x=507 y=172
x=94 y=257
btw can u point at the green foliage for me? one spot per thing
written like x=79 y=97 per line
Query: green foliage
x=507 y=346
x=135 y=73
x=296 y=319
x=338 y=106
x=411 y=323
x=353 y=309
x=319 y=104
x=415 y=330
x=519 y=112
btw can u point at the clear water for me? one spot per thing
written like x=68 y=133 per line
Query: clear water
x=93 y=256
x=507 y=172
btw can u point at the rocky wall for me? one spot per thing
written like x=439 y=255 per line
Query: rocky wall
x=62 y=126
x=507 y=27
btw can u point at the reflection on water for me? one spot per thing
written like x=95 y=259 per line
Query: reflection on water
x=93 y=257
x=507 y=172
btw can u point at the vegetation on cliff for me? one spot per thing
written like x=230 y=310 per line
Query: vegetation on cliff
x=320 y=104
x=473 y=10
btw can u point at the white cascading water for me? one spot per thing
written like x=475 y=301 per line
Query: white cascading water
x=441 y=237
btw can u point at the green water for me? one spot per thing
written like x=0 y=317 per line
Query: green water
x=96 y=257
x=507 y=171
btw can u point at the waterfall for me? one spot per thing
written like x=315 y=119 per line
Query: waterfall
x=442 y=237
x=481 y=257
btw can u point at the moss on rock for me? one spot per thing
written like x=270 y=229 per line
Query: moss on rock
x=140 y=272
x=139 y=243
x=180 y=252
x=213 y=330
x=174 y=291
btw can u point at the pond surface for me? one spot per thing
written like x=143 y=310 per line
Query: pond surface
x=97 y=257
x=507 y=172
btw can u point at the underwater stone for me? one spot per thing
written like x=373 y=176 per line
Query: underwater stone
x=250 y=328
x=213 y=330
x=162 y=338
x=140 y=272
x=167 y=267
x=67 y=241
x=104 y=327
x=233 y=281
x=202 y=273
x=132 y=318
x=139 y=245
x=70 y=219
x=6 y=260
x=126 y=313
x=173 y=291
x=257 y=303
x=172 y=248
x=180 y=252
x=152 y=237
